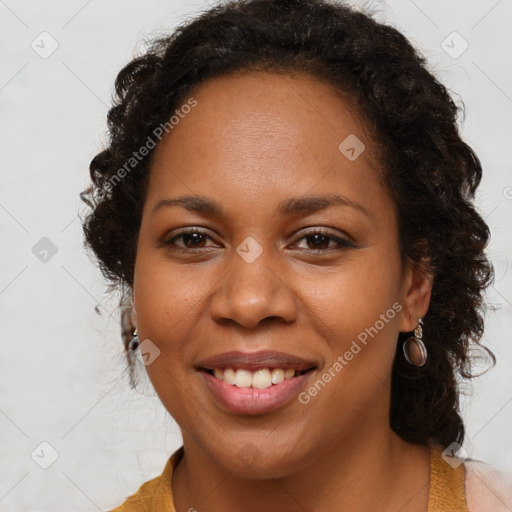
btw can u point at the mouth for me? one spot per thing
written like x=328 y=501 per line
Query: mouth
x=261 y=378
x=254 y=383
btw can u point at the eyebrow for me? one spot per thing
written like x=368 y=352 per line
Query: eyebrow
x=293 y=206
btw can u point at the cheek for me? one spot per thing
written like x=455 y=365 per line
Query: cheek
x=358 y=316
x=354 y=296
x=167 y=302
x=359 y=310
x=164 y=302
x=166 y=295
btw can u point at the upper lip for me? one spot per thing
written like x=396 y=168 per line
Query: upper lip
x=255 y=360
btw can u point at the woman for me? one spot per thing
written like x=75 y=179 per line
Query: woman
x=286 y=204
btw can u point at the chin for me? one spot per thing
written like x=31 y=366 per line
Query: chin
x=260 y=462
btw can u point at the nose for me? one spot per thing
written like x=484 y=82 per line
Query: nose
x=253 y=292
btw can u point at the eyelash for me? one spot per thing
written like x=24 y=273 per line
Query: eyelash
x=342 y=243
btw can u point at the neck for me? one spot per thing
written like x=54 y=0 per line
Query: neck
x=364 y=473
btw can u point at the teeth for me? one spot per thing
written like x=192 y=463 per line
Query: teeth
x=260 y=379
x=288 y=374
x=277 y=376
x=228 y=377
x=243 y=379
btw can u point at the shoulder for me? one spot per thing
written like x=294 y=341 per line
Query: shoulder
x=155 y=494
x=142 y=500
x=487 y=489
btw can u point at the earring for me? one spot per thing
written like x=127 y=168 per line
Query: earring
x=134 y=342
x=415 y=351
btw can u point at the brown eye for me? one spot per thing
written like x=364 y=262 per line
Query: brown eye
x=320 y=240
x=192 y=239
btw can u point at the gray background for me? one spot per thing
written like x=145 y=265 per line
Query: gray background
x=62 y=370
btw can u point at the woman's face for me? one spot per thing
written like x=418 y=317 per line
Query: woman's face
x=284 y=257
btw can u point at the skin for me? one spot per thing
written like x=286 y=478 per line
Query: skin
x=254 y=140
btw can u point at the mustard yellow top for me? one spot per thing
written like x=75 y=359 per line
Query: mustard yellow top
x=446 y=491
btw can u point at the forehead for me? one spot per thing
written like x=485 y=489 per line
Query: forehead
x=254 y=132
x=278 y=110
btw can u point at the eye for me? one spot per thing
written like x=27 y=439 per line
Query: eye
x=320 y=240
x=192 y=239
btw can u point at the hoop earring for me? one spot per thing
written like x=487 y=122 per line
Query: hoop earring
x=134 y=342
x=414 y=349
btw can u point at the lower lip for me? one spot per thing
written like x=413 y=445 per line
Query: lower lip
x=251 y=400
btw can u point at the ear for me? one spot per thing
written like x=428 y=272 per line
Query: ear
x=134 y=314
x=416 y=292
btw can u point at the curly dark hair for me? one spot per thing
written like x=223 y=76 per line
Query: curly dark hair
x=431 y=173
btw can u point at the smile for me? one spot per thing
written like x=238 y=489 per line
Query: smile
x=259 y=379
x=254 y=383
